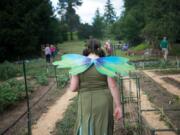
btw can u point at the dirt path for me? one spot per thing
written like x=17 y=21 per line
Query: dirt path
x=169 y=87
x=47 y=121
x=152 y=118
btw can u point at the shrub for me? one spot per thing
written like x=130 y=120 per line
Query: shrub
x=8 y=70
x=63 y=80
x=42 y=79
x=175 y=50
x=11 y=91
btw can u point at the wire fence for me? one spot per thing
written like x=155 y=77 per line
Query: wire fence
x=38 y=80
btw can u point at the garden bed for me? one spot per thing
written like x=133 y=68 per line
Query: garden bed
x=162 y=99
x=167 y=72
x=15 y=111
x=172 y=81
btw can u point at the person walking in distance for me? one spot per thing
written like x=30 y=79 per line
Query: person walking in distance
x=47 y=53
x=53 y=51
x=164 y=46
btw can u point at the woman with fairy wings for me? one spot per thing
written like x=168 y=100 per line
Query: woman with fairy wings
x=93 y=76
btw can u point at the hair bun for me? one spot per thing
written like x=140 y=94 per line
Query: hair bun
x=93 y=46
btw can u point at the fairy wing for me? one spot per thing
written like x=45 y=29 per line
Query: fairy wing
x=109 y=66
x=77 y=63
x=112 y=65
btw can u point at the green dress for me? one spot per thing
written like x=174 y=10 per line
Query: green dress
x=95 y=105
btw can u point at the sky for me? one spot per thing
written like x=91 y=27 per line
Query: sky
x=87 y=10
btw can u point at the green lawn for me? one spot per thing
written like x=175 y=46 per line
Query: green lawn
x=72 y=47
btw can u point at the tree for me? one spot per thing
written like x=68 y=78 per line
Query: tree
x=131 y=23
x=58 y=31
x=24 y=26
x=84 y=31
x=68 y=14
x=159 y=18
x=98 y=25
x=162 y=18
x=109 y=14
x=150 y=20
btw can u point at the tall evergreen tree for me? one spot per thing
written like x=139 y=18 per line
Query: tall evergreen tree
x=98 y=25
x=24 y=26
x=68 y=14
x=109 y=14
x=131 y=23
x=84 y=31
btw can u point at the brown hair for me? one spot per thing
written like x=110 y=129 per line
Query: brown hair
x=93 y=46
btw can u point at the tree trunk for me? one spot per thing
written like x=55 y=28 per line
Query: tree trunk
x=71 y=35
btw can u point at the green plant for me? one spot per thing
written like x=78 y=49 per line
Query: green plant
x=42 y=79
x=176 y=98
x=63 y=80
x=175 y=50
x=8 y=70
x=11 y=91
x=132 y=129
x=35 y=67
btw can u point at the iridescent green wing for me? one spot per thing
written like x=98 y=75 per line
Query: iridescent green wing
x=77 y=63
x=112 y=65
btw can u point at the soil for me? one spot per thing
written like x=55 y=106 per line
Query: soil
x=9 y=116
x=150 y=119
x=47 y=122
x=167 y=72
x=172 y=81
x=163 y=84
x=161 y=97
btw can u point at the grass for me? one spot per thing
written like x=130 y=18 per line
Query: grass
x=140 y=47
x=66 y=125
x=72 y=47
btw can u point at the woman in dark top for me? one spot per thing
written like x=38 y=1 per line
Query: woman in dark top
x=96 y=93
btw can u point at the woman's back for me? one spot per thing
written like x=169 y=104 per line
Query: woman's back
x=94 y=98
x=92 y=80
